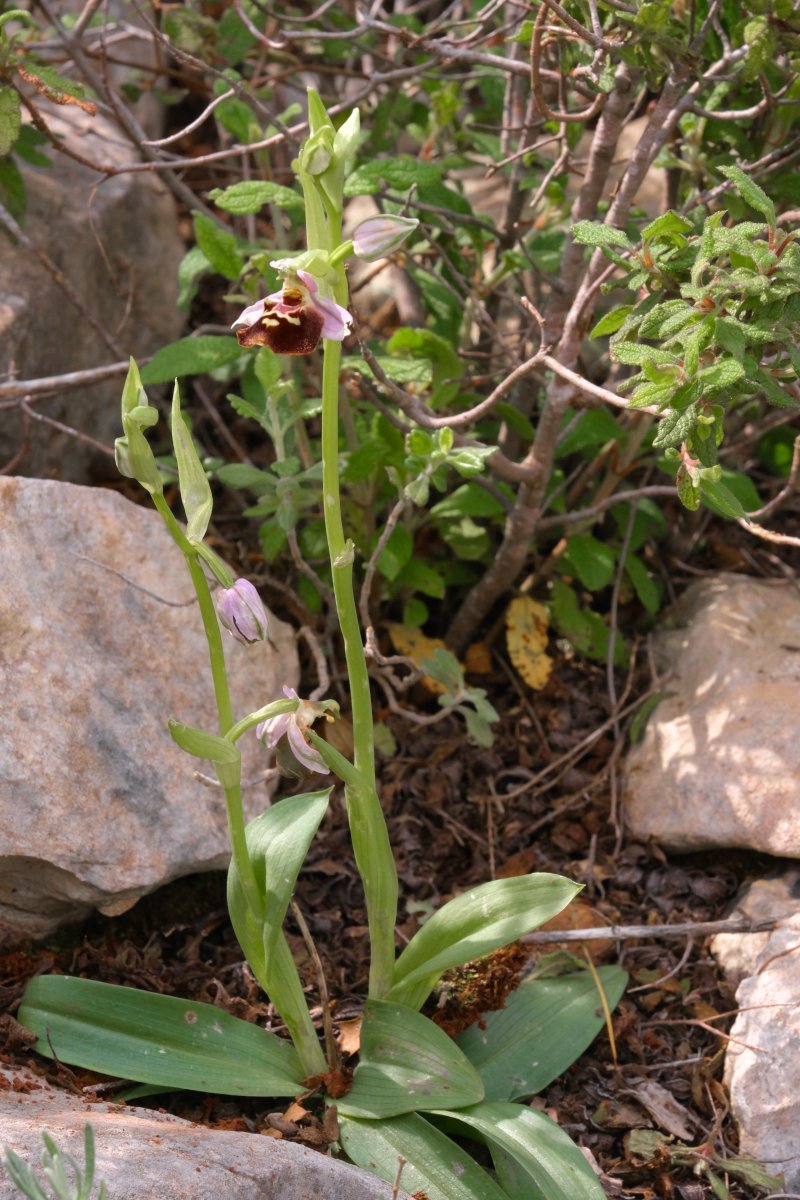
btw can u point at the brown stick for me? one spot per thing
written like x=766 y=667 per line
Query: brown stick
x=620 y=933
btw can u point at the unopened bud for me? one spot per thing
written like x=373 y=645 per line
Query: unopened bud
x=242 y=613
x=378 y=236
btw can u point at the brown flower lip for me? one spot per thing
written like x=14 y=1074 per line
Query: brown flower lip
x=292 y=320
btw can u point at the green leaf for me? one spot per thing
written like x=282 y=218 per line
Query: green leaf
x=645 y=586
x=277 y=844
x=675 y=426
x=251 y=195
x=194 y=486
x=190 y=356
x=9 y=119
x=435 y=1164
x=471 y=926
x=545 y=1026
x=611 y=321
x=193 y=266
x=224 y=755
x=220 y=247
x=723 y=373
x=418 y=575
x=773 y=391
x=407 y=1064
x=733 y=496
x=775 y=450
x=595 y=233
x=688 y=490
x=594 y=428
x=592 y=561
x=731 y=337
x=156 y=1039
x=242 y=475
x=636 y=354
x=671 y=226
x=468 y=500
x=12 y=188
x=584 y=628
x=396 y=552
x=423 y=343
x=545 y=1164
x=750 y=192
x=400 y=172
x=751 y=1173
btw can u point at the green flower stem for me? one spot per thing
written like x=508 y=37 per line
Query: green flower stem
x=216 y=655
x=371 y=846
x=291 y=1002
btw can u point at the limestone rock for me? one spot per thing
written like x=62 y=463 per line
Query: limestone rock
x=777 y=898
x=141 y=1154
x=101 y=643
x=762 y=1066
x=719 y=764
x=116 y=241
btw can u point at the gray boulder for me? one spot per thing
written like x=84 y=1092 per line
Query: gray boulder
x=719 y=764
x=141 y=1154
x=101 y=643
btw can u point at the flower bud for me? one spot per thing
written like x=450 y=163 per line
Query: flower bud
x=378 y=236
x=242 y=613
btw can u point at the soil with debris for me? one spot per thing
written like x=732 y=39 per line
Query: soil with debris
x=540 y=799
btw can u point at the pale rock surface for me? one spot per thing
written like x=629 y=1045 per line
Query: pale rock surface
x=98 y=806
x=719 y=764
x=762 y=1066
x=143 y=1154
x=116 y=241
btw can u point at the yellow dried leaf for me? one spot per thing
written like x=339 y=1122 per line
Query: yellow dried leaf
x=478 y=659
x=416 y=646
x=526 y=638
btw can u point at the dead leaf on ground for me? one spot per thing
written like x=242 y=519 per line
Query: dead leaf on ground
x=526 y=638
x=416 y=645
x=665 y=1110
x=349 y=1035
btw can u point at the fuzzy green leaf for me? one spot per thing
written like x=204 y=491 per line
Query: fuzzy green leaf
x=9 y=119
x=250 y=196
x=219 y=246
x=750 y=192
x=190 y=356
x=611 y=321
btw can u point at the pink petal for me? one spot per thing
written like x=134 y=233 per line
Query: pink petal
x=273 y=729
x=336 y=321
x=308 y=281
x=250 y=315
x=306 y=755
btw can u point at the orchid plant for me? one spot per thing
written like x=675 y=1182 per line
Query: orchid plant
x=408 y=1066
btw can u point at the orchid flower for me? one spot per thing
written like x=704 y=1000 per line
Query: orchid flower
x=292 y=320
x=293 y=726
x=241 y=612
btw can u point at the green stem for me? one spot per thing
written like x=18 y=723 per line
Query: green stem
x=216 y=656
x=371 y=846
